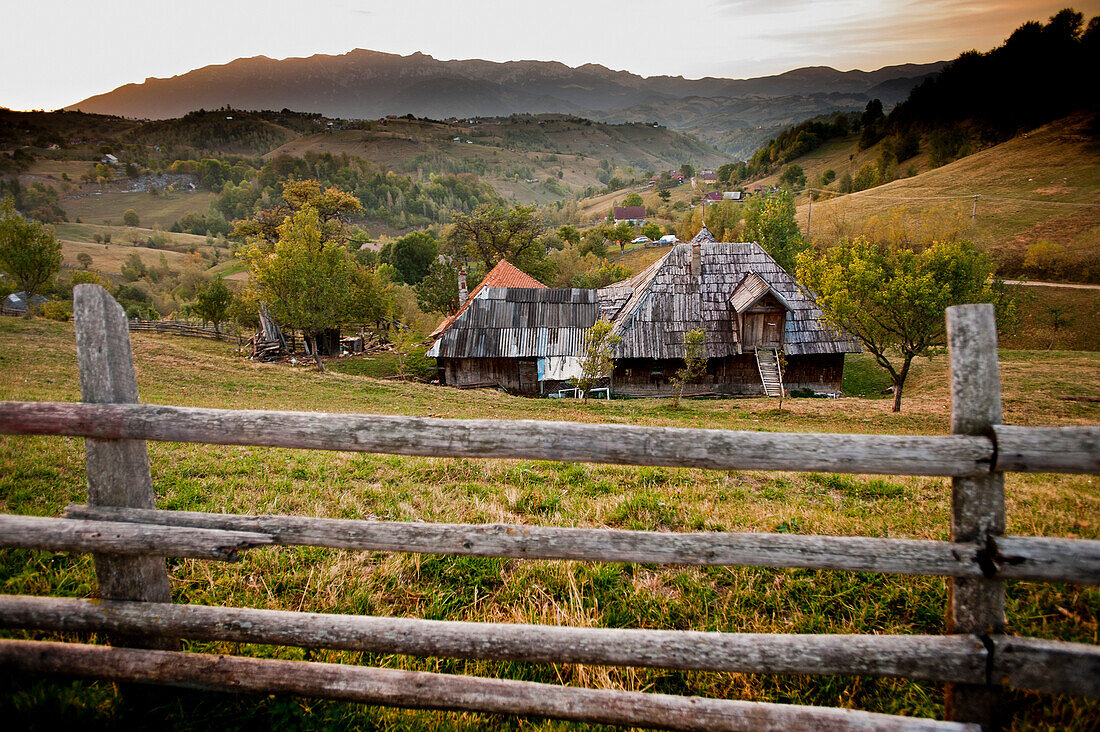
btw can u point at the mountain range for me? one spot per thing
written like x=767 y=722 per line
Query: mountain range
x=733 y=114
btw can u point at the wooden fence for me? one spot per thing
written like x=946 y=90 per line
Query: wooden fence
x=175 y=327
x=130 y=538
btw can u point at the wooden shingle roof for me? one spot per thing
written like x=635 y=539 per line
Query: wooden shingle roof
x=748 y=293
x=654 y=309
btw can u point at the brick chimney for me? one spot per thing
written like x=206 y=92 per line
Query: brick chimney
x=462 y=292
x=696 y=259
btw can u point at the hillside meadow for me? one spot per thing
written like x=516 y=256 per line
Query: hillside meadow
x=42 y=475
x=1040 y=186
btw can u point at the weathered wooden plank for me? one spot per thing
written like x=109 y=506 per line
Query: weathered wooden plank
x=1048 y=449
x=419 y=690
x=896 y=556
x=1045 y=665
x=114 y=538
x=950 y=455
x=977 y=604
x=1048 y=560
x=1008 y=557
x=117 y=469
x=925 y=657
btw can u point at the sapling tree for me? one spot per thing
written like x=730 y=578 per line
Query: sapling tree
x=599 y=352
x=695 y=363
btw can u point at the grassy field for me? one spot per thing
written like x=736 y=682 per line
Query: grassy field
x=41 y=475
x=1080 y=308
x=109 y=258
x=159 y=211
x=1056 y=163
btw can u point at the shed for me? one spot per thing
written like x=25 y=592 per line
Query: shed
x=526 y=340
x=502 y=275
x=16 y=302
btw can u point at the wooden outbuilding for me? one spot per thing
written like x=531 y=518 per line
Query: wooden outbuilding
x=755 y=315
x=526 y=340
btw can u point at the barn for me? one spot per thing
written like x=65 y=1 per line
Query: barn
x=526 y=340
x=764 y=335
x=763 y=332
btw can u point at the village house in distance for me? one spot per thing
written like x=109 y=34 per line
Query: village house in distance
x=529 y=339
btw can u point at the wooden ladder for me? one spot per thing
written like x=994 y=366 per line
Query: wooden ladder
x=767 y=361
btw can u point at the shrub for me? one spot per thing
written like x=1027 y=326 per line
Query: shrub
x=57 y=310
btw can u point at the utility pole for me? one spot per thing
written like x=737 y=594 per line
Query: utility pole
x=809 y=212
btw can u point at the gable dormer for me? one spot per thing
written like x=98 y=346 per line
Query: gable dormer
x=761 y=312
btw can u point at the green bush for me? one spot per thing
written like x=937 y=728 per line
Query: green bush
x=57 y=310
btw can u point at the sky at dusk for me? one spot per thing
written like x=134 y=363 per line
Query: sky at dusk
x=57 y=53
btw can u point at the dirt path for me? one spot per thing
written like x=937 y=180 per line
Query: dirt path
x=1051 y=284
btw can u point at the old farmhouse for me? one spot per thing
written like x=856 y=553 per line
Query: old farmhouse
x=754 y=314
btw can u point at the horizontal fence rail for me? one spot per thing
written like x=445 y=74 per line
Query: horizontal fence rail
x=1034 y=558
x=927 y=657
x=1047 y=449
x=940 y=455
x=109 y=537
x=174 y=328
x=524 y=439
x=421 y=690
x=1023 y=663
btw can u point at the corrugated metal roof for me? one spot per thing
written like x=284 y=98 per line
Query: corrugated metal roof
x=665 y=302
x=509 y=322
x=502 y=275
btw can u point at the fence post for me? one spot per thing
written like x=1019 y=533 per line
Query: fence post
x=977 y=605
x=118 y=470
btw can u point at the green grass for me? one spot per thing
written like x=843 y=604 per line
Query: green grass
x=160 y=210
x=41 y=475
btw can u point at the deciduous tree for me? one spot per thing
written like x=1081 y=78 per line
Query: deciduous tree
x=893 y=299
x=29 y=253
x=769 y=221
x=411 y=255
x=213 y=302
x=307 y=277
x=492 y=233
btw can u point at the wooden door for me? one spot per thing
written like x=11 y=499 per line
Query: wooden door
x=528 y=377
x=773 y=330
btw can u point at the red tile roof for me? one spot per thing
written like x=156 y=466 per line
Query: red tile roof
x=502 y=275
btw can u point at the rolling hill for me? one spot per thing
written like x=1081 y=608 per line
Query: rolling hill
x=1043 y=185
x=528 y=159
x=363 y=84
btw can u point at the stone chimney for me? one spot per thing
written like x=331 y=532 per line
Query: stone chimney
x=462 y=292
x=696 y=259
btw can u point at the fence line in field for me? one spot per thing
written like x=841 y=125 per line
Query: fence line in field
x=130 y=538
